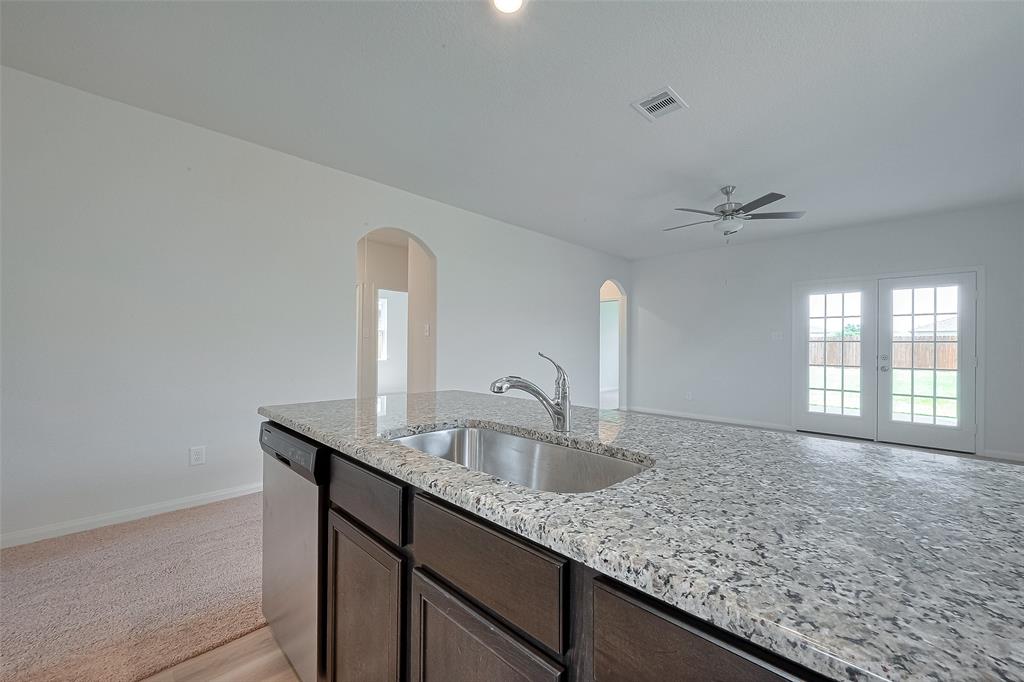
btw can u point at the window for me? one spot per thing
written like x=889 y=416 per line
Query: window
x=834 y=354
x=382 y=329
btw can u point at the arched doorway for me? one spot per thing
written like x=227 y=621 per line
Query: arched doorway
x=396 y=314
x=612 y=378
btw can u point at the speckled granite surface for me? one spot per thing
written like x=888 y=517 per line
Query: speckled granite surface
x=859 y=561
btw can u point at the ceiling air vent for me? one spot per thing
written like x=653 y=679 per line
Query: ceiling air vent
x=660 y=103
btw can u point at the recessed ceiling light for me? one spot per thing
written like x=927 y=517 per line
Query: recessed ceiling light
x=508 y=6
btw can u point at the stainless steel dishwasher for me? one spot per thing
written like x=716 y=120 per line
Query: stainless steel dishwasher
x=294 y=555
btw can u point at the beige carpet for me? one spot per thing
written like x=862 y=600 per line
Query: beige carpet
x=126 y=601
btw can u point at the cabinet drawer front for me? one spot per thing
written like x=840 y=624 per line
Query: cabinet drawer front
x=635 y=642
x=370 y=498
x=453 y=642
x=522 y=584
x=364 y=616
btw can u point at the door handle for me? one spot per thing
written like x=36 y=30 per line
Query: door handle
x=884 y=368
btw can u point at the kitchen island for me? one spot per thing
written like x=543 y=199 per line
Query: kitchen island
x=855 y=560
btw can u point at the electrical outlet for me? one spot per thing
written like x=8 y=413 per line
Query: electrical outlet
x=197 y=455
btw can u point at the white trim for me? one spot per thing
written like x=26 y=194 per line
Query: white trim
x=712 y=418
x=1003 y=454
x=623 y=348
x=624 y=374
x=981 y=368
x=52 y=530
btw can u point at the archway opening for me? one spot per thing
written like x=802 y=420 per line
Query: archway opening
x=612 y=377
x=396 y=288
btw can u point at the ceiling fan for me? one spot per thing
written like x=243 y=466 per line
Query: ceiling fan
x=730 y=216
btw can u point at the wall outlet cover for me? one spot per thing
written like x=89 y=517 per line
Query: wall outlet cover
x=197 y=455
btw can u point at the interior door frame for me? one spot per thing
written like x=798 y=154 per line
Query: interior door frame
x=980 y=344
x=865 y=426
x=366 y=339
x=623 y=342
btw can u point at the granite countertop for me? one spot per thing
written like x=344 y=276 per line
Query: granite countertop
x=857 y=560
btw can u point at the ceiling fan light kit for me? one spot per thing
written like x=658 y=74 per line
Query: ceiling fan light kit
x=729 y=225
x=730 y=216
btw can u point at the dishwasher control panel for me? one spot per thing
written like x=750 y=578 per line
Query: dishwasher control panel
x=305 y=457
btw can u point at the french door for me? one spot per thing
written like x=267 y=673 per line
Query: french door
x=888 y=359
x=927 y=361
x=835 y=360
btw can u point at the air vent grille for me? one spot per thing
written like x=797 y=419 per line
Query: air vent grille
x=653 y=106
x=659 y=104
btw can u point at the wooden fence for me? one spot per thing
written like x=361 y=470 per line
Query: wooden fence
x=922 y=355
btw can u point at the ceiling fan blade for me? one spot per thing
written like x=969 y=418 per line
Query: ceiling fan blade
x=697 y=210
x=758 y=203
x=679 y=227
x=774 y=216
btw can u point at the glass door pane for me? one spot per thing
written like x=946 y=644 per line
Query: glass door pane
x=834 y=374
x=926 y=330
x=833 y=395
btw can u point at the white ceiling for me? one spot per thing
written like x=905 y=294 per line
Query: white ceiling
x=855 y=110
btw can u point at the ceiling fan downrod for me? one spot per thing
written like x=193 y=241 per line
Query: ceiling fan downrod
x=730 y=206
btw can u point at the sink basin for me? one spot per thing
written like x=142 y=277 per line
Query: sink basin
x=528 y=462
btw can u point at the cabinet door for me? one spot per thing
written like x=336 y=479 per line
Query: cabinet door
x=452 y=642
x=634 y=642
x=363 y=606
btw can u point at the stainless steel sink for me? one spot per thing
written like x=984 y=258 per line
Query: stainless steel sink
x=535 y=464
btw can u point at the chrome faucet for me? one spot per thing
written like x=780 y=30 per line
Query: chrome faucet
x=559 y=409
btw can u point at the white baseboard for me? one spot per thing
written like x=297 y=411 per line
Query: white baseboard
x=712 y=418
x=1003 y=454
x=21 y=537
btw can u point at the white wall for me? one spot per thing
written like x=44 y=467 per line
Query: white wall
x=422 y=359
x=161 y=281
x=391 y=373
x=716 y=324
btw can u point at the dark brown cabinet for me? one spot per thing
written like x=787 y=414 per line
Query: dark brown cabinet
x=364 y=591
x=421 y=590
x=636 y=642
x=453 y=642
x=373 y=499
x=521 y=583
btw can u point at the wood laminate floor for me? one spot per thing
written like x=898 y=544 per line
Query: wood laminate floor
x=252 y=658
